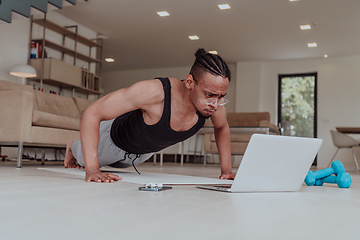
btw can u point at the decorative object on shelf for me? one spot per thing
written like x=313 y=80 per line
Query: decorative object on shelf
x=23 y=71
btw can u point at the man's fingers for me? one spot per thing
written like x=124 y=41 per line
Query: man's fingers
x=103 y=177
x=230 y=176
x=115 y=177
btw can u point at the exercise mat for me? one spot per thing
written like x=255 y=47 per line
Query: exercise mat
x=145 y=177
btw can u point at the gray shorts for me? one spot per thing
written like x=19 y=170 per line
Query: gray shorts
x=109 y=154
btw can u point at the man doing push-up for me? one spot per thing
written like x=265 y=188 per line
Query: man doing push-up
x=127 y=126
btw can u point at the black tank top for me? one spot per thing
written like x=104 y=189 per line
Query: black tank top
x=130 y=133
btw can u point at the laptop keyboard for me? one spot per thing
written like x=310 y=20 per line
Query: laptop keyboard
x=223 y=186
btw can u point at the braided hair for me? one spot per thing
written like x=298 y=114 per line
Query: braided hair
x=207 y=62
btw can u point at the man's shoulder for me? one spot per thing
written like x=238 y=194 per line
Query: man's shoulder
x=148 y=86
x=147 y=91
x=155 y=86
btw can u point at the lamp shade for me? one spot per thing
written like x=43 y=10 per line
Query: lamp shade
x=24 y=71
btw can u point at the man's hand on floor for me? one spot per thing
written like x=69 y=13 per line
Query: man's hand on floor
x=98 y=176
x=230 y=176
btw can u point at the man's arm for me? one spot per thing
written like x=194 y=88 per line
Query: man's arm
x=141 y=95
x=223 y=143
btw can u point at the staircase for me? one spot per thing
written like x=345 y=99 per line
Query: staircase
x=23 y=7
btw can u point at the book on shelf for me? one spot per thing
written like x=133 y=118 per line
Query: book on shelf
x=36 y=50
x=34 y=53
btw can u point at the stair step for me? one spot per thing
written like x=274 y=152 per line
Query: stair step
x=72 y=1
x=23 y=7
x=40 y=5
x=6 y=11
x=56 y=3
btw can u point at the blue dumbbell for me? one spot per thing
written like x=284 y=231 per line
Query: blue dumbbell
x=336 y=168
x=318 y=182
x=343 y=180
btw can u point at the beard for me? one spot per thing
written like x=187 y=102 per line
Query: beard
x=202 y=115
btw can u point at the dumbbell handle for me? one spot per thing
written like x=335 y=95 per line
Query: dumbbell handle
x=336 y=168
x=329 y=179
x=324 y=173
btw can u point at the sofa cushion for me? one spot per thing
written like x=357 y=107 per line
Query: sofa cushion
x=56 y=104
x=264 y=123
x=45 y=119
x=53 y=135
x=81 y=103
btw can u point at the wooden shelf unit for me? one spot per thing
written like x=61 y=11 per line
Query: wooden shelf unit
x=64 y=31
x=93 y=83
x=53 y=75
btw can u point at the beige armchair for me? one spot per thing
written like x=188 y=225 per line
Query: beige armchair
x=242 y=127
x=342 y=140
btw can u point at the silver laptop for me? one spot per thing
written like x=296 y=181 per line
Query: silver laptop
x=272 y=164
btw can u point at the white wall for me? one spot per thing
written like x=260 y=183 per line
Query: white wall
x=14 y=40
x=247 y=97
x=338 y=95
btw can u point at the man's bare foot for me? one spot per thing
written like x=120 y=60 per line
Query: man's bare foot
x=70 y=161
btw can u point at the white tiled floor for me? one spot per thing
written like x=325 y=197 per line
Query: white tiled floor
x=40 y=205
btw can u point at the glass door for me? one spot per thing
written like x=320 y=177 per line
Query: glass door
x=297 y=105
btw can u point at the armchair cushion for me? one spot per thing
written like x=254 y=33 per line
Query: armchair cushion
x=239 y=143
x=241 y=119
x=251 y=119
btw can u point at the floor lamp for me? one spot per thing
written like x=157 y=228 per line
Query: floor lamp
x=23 y=71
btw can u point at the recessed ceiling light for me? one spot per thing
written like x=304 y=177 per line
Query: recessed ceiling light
x=213 y=52
x=294 y=0
x=194 y=37
x=224 y=6
x=109 y=60
x=163 y=14
x=312 y=44
x=325 y=56
x=305 y=27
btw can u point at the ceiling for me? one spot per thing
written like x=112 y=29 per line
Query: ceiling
x=252 y=30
